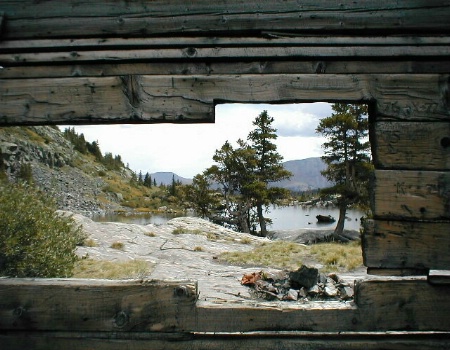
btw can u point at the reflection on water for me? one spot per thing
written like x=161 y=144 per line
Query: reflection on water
x=139 y=219
x=284 y=218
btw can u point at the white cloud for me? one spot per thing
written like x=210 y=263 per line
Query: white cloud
x=188 y=149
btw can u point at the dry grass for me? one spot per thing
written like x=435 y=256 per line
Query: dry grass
x=277 y=254
x=183 y=231
x=338 y=257
x=89 y=242
x=89 y=268
x=117 y=245
x=289 y=255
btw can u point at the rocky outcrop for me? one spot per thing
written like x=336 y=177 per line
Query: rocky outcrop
x=52 y=159
x=310 y=235
x=39 y=144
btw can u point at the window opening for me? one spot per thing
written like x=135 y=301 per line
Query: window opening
x=155 y=190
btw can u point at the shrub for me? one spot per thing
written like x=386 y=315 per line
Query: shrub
x=117 y=245
x=34 y=240
x=89 y=243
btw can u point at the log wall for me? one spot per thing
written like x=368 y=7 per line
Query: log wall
x=172 y=61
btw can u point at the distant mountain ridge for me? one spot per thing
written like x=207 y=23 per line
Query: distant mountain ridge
x=306 y=175
x=165 y=178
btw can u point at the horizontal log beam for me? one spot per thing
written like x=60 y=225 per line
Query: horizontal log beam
x=226 y=341
x=386 y=304
x=181 y=99
x=411 y=195
x=324 y=66
x=265 y=39
x=406 y=245
x=412 y=146
x=222 y=53
x=409 y=303
x=95 y=305
x=28 y=19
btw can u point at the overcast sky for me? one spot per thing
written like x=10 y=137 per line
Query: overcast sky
x=187 y=150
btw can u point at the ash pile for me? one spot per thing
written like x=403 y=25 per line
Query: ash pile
x=304 y=284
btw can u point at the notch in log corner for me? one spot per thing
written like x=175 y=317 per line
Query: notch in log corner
x=132 y=89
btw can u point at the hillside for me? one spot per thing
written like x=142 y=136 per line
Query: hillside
x=77 y=180
x=306 y=175
x=81 y=183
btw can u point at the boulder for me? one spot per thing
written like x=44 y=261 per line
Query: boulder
x=304 y=277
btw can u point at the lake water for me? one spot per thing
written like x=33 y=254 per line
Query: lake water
x=284 y=218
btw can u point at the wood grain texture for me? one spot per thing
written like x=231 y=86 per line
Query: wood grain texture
x=221 y=53
x=226 y=341
x=406 y=245
x=411 y=146
x=409 y=303
x=28 y=19
x=290 y=66
x=145 y=99
x=95 y=305
x=81 y=306
x=411 y=195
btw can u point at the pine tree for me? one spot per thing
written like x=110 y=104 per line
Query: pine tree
x=269 y=167
x=147 y=180
x=235 y=172
x=347 y=155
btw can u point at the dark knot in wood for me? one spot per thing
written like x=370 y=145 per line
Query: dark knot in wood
x=190 y=52
x=181 y=291
x=445 y=142
x=19 y=311
x=121 y=319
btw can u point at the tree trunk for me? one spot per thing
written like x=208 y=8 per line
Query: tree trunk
x=337 y=234
x=262 y=221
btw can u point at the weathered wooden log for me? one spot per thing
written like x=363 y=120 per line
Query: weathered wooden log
x=411 y=195
x=28 y=19
x=140 y=99
x=324 y=66
x=219 y=53
x=410 y=303
x=225 y=341
x=264 y=39
x=140 y=306
x=406 y=245
x=95 y=305
x=411 y=146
